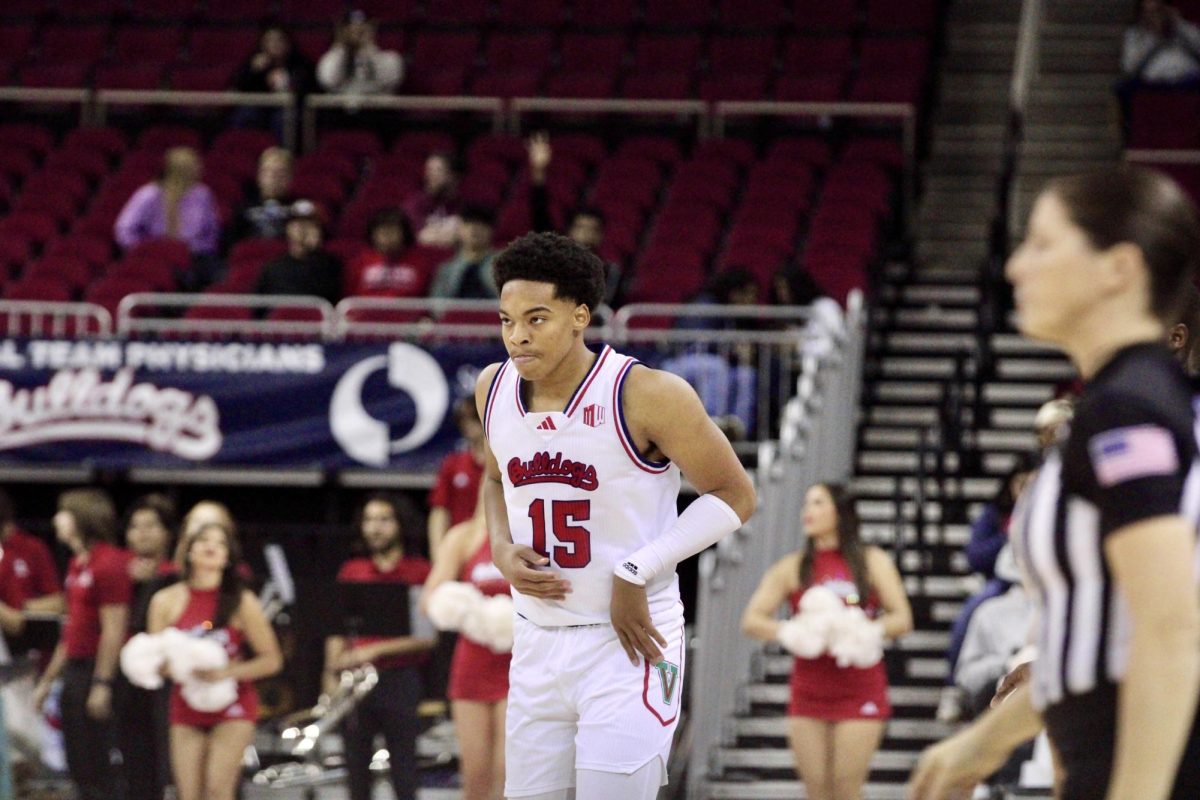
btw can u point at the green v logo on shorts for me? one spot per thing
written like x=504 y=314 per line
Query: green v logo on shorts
x=668 y=674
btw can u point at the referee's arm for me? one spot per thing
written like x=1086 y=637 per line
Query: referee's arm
x=1151 y=562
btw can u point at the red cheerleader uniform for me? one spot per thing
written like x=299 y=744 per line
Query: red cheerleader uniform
x=197 y=620
x=820 y=688
x=476 y=672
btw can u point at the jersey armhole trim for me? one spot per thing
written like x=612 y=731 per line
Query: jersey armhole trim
x=491 y=399
x=656 y=467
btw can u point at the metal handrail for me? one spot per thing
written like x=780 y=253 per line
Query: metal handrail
x=573 y=105
x=129 y=323
x=57 y=313
x=431 y=308
x=1162 y=156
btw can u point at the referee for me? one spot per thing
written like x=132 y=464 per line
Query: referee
x=1107 y=534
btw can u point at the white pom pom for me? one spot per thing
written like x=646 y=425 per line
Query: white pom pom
x=820 y=600
x=142 y=660
x=186 y=654
x=496 y=614
x=803 y=635
x=210 y=696
x=450 y=604
x=855 y=640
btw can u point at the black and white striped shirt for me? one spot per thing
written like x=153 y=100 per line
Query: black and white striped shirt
x=1131 y=455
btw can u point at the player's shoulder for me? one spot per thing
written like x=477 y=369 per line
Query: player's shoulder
x=486 y=376
x=649 y=386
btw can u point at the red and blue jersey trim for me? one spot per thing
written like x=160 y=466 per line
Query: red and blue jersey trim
x=491 y=400
x=655 y=467
x=580 y=390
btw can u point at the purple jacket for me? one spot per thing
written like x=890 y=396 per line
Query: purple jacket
x=145 y=217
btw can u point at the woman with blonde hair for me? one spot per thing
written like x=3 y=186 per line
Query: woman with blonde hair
x=176 y=206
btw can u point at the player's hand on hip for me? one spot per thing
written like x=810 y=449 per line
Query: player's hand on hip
x=631 y=620
x=521 y=567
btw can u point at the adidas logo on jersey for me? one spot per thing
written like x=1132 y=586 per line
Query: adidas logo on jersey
x=547 y=425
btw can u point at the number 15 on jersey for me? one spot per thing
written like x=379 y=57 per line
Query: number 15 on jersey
x=574 y=549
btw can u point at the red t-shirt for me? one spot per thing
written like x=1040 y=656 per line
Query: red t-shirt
x=457 y=486
x=405 y=275
x=102 y=581
x=408 y=571
x=32 y=564
x=12 y=592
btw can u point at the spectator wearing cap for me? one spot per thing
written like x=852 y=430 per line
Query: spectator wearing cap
x=264 y=214
x=586 y=226
x=307 y=268
x=355 y=65
x=432 y=210
x=393 y=267
x=469 y=274
x=176 y=205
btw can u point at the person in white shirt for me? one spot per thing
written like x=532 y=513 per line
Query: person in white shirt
x=355 y=64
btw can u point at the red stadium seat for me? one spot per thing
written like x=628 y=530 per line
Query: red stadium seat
x=732 y=87
x=243 y=12
x=47 y=288
x=445 y=50
x=688 y=15
x=824 y=15
x=163 y=10
x=540 y=14
x=39 y=228
x=891 y=16
x=462 y=13
x=247 y=139
x=54 y=76
x=213 y=46
x=811 y=150
x=736 y=150
x=73 y=44
x=804 y=56
x=386 y=12
x=171 y=252
x=663 y=149
x=312 y=44
x=357 y=144
x=750 y=14
x=657 y=86
x=894 y=57
x=89 y=164
x=157 y=45
x=73 y=271
x=1165 y=119
x=610 y=14
x=109 y=141
x=524 y=51
x=95 y=251
x=16 y=38
x=311 y=12
x=333 y=162
x=600 y=52
x=60 y=208
x=128 y=76
x=582 y=147
x=667 y=52
x=159 y=138
x=741 y=55
x=585 y=85
x=88 y=9
x=507 y=83
x=26 y=137
x=666 y=275
x=203 y=78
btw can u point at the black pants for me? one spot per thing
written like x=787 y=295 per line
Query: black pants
x=1084 y=730
x=89 y=743
x=390 y=709
x=143 y=738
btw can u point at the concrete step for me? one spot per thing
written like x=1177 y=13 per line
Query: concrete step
x=945 y=535
x=917 y=730
x=972 y=60
x=936 y=318
x=930 y=342
x=964 y=164
x=790 y=790
x=781 y=758
x=920 y=368
x=884 y=486
x=938 y=293
x=1041 y=369
x=1056 y=28
x=780 y=693
x=975 y=11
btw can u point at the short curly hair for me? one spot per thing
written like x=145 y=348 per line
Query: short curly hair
x=576 y=272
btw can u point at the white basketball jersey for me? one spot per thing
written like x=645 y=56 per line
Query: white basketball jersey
x=579 y=492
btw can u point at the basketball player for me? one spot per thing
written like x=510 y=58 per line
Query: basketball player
x=584 y=454
x=1106 y=535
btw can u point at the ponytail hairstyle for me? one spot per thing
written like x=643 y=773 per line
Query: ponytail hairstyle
x=850 y=544
x=229 y=595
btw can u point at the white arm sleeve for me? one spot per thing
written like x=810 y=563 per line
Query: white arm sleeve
x=705 y=522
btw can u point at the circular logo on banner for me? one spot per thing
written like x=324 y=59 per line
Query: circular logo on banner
x=410 y=370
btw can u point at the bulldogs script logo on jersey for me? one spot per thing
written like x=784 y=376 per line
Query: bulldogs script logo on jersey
x=543 y=468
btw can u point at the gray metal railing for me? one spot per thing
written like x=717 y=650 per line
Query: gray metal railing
x=816 y=443
x=159 y=313
x=38 y=318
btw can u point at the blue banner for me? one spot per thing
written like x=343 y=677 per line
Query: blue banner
x=132 y=403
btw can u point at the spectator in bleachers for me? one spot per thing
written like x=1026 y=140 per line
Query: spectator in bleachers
x=307 y=268
x=355 y=65
x=586 y=226
x=989 y=535
x=793 y=286
x=142 y=714
x=176 y=205
x=264 y=213
x=1162 y=48
x=392 y=267
x=277 y=66
x=432 y=210
x=98 y=595
x=469 y=274
x=999 y=628
x=725 y=377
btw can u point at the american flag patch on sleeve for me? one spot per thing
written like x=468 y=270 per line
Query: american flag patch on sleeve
x=1139 y=451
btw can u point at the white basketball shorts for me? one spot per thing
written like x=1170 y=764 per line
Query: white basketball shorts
x=576 y=702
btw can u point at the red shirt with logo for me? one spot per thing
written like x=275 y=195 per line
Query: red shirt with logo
x=100 y=580
x=32 y=564
x=457 y=486
x=405 y=275
x=408 y=571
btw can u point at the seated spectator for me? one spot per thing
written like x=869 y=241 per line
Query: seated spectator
x=307 y=268
x=793 y=286
x=586 y=226
x=1162 y=48
x=999 y=628
x=725 y=377
x=469 y=274
x=277 y=66
x=393 y=267
x=355 y=65
x=176 y=205
x=432 y=211
x=265 y=210
x=989 y=536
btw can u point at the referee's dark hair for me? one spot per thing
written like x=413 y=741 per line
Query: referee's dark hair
x=1145 y=208
x=576 y=272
